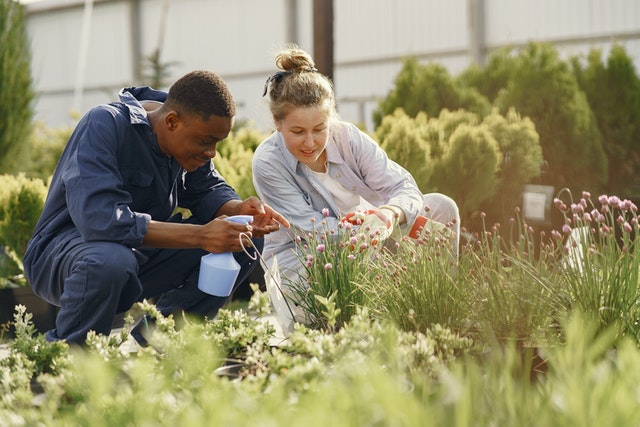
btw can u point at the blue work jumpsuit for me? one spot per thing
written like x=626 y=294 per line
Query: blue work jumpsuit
x=86 y=253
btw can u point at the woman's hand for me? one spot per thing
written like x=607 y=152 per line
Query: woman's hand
x=265 y=219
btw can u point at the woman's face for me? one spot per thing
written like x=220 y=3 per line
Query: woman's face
x=305 y=131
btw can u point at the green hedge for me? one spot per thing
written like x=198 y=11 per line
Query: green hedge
x=21 y=202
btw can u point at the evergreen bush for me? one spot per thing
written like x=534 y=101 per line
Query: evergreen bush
x=429 y=88
x=21 y=203
x=544 y=89
x=613 y=92
x=16 y=91
x=38 y=157
x=233 y=159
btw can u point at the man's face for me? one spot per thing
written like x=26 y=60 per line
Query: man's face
x=192 y=141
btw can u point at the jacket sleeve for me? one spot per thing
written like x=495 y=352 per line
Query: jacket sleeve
x=392 y=183
x=97 y=203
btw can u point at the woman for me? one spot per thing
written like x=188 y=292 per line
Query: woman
x=316 y=163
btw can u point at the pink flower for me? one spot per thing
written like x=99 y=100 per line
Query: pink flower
x=627 y=227
x=566 y=229
x=325 y=212
x=603 y=199
x=320 y=248
x=557 y=202
x=328 y=266
x=577 y=208
x=586 y=195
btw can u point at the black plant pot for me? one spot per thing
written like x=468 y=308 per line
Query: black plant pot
x=44 y=314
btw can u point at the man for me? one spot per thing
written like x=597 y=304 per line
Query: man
x=108 y=235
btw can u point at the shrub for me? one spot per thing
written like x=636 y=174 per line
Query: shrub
x=521 y=160
x=493 y=77
x=613 y=92
x=403 y=139
x=233 y=159
x=39 y=155
x=21 y=203
x=544 y=89
x=430 y=89
x=16 y=89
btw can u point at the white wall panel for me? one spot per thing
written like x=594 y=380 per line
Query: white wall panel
x=238 y=39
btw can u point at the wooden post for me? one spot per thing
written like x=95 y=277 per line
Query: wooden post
x=323 y=36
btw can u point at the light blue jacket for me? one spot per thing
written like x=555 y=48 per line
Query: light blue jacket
x=355 y=160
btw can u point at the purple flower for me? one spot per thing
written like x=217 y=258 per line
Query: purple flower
x=614 y=201
x=320 y=248
x=586 y=195
x=328 y=266
x=603 y=199
x=557 y=202
x=325 y=212
x=627 y=227
x=351 y=257
x=566 y=229
x=577 y=208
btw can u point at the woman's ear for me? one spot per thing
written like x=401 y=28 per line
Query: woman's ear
x=278 y=123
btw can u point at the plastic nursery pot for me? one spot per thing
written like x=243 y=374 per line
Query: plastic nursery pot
x=44 y=314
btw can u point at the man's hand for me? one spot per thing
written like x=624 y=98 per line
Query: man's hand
x=265 y=219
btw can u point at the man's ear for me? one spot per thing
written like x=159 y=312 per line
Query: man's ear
x=172 y=120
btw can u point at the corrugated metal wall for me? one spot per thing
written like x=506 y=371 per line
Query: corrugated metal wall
x=238 y=38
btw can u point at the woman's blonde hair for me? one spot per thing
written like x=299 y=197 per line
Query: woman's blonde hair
x=298 y=84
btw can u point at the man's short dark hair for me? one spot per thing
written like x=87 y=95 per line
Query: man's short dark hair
x=201 y=93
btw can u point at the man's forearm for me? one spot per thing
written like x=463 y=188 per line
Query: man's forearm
x=172 y=235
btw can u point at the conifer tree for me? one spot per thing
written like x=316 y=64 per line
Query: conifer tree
x=613 y=92
x=16 y=86
x=544 y=89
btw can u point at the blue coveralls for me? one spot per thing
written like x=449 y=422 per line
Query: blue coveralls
x=86 y=253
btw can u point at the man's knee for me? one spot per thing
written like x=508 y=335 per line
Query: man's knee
x=110 y=269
